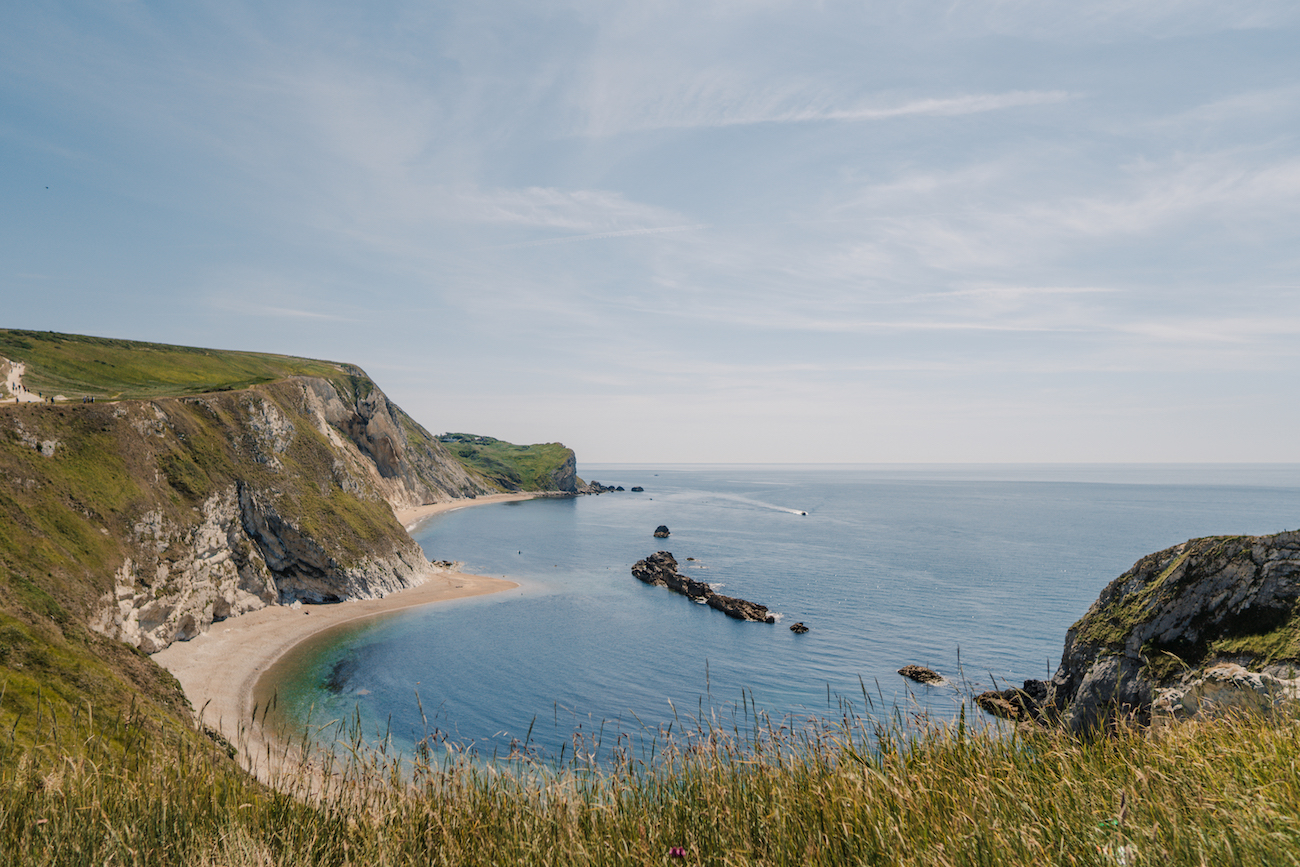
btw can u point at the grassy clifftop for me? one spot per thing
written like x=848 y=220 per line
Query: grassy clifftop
x=537 y=467
x=79 y=366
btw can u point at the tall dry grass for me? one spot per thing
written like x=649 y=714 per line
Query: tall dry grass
x=854 y=791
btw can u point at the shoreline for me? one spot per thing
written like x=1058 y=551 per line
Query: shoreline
x=413 y=517
x=219 y=670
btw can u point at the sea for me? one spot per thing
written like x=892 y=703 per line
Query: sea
x=975 y=571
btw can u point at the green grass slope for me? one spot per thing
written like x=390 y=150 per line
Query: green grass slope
x=79 y=366
x=859 y=793
x=537 y=467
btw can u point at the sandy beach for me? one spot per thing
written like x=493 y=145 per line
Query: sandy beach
x=219 y=669
x=411 y=518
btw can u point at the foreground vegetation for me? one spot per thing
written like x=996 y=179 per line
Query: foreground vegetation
x=1216 y=793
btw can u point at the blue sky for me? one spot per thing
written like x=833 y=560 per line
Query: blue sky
x=705 y=231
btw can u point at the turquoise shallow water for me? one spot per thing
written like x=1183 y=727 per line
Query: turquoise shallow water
x=975 y=571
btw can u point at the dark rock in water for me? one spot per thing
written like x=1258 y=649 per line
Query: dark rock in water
x=921 y=674
x=1018 y=705
x=618 y=488
x=341 y=674
x=660 y=569
x=661 y=532
x=595 y=487
x=798 y=628
x=637 y=489
x=741 y=609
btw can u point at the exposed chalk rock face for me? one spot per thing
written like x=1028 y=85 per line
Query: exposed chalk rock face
x=272 y=432
x=1166 y=624
x=277 y=494
x=409 y=466
x=184 y=578
x=305 y=571
x=1226 y=687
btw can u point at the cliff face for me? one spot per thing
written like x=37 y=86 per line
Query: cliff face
x=411 y=466
x=151 y=519
x=1210 y=616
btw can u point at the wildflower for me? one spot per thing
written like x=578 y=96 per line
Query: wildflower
x=677 y=852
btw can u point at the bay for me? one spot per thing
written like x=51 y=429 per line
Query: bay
x=976 y=571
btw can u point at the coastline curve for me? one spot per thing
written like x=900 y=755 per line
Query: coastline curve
x=220 y=670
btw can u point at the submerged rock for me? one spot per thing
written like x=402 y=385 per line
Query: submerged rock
x=921 y=674
x=798 y=628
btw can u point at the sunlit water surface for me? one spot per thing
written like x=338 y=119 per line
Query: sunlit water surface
x=975 y=571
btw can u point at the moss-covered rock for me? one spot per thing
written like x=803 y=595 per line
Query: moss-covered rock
x=1176 y=612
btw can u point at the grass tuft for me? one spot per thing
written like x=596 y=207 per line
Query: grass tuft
x=850 y=792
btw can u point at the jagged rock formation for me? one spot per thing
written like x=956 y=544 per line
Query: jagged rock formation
x=662 y=532
x=565 y=476
x=412 y=467
x=798 y=628
x=1161 y=632
x=660 y=569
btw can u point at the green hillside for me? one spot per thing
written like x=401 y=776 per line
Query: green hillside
x=78 y=366
x=537 y=467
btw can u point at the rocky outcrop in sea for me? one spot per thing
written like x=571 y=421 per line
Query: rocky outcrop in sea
x=1194 y=630
x=660 y=569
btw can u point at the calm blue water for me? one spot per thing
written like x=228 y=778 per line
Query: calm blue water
x=974 y=570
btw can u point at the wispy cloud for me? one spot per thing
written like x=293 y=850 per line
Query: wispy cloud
x=290 y=313
x=595 y=211
x=624 y=233
x=935 y=107
x=729 y=100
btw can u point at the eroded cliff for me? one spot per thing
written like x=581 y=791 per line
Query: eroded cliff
x=153 y=519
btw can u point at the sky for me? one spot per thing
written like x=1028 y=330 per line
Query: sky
x=706 y=231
